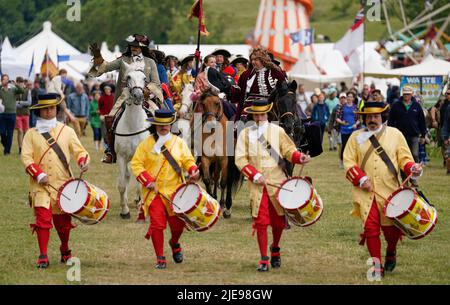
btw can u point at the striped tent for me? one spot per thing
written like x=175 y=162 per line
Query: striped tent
x=276 y=20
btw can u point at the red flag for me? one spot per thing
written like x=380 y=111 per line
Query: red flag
x=197 y=11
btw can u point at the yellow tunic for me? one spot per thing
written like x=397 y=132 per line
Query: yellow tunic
x=33 y=148
x=167 y=180
x=250 y=151
x=384 y=183
x=178 y=82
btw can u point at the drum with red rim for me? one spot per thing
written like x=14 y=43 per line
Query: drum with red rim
x=411 y=213
x=300 y=200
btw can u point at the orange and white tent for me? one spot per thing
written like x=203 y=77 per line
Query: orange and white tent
x=276 y=20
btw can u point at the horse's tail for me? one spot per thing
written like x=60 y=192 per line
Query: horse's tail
x=234 y=179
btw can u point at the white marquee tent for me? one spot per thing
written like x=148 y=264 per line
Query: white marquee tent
x=48 y=40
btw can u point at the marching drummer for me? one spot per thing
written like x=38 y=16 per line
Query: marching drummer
x=372 y=158
x=160 y=163
x=46 y=154
x=260 y=151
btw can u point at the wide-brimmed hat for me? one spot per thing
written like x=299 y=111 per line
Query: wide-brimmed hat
x=187 y=59
x=373 y=108
x=46 y=100
x=259 y=107
x=238 y=58
x=223 y=52
x=407 y=90
x=272 y=58
x=138 y=40
x=163 y=117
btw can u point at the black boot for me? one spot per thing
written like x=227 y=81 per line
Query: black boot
x=263 y=264
x=110 y=155
x=161 y=262
x=177 y=254
x=275 y=260
x=43 y=262
x=390 y=261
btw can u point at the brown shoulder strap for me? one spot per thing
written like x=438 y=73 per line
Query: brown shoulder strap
x=54 y=145
x=273 y=153
x=370 y=150
x=379 y=150
x=166 y=153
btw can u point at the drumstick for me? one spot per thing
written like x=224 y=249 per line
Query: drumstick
x=278 y=187
x=409 y=177
x=170 y=201
x=181 y=196
x=379 y=195
x=59 y=192
x=79 y=180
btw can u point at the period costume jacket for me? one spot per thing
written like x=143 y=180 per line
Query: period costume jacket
x=383 y=181
x=38 y=157
x=150 y=165
x=150 y=70
x=262 y=81
x=252 y=159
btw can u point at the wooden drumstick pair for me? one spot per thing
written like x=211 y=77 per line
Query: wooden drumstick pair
x=59 y=192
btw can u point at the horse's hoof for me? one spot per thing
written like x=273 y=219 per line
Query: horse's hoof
x=125 y=216
x=226 y=214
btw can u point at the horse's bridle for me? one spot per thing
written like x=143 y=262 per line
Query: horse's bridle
x=218 y=115
x=136 y=87
x=134 y=102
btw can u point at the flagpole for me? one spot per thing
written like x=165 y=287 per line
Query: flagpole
x=364 y=43
x=197 y=53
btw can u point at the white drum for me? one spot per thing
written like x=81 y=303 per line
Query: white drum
x=88 y=203
x=195 y=207
x=300 y=200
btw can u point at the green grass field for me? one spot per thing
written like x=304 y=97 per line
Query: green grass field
x=115 y=251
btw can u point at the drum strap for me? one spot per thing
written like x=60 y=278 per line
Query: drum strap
x=166 y=153
x=58 y=151
x=379 y=150
x=274 y=154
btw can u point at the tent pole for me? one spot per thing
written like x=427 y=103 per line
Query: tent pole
x=388 y=22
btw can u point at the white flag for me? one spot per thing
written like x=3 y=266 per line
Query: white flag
x=349 y=44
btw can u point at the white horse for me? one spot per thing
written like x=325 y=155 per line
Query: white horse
x=131 y=129
x=185 y=113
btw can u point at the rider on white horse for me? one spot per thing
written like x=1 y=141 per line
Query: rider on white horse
x=137 y=55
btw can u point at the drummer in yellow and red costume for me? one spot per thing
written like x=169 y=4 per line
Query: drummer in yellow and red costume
x=160 y=180
x=46 y=169
x=260 y=167
x=375 y=176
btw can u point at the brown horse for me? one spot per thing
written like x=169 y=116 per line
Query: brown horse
x=215 y=163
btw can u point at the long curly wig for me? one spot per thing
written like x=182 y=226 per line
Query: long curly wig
x=262 y=54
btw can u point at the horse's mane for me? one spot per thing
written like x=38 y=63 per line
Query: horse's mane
x=208 y=93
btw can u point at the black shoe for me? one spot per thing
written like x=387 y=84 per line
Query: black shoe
x=43 y=262
x=390 y=261
x=378 y=273
x=263 y=264
x=65 y=256
x=275 y=260
x=177 y=254
x=161 y=262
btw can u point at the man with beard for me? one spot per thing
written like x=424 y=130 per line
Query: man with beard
x=372 y=158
